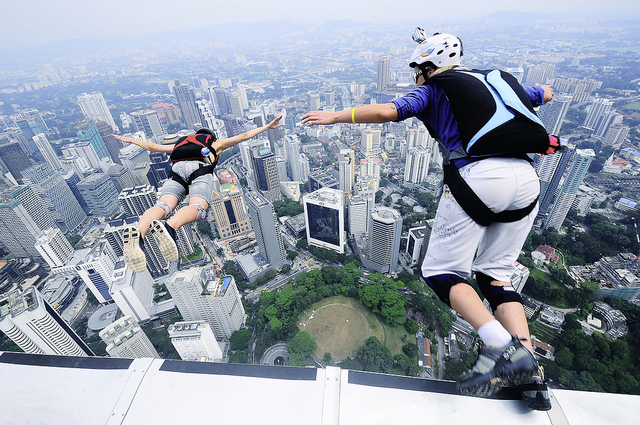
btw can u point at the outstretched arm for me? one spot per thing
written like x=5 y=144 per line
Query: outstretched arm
x=222 y=144
x=379 y=113
x=150 y=146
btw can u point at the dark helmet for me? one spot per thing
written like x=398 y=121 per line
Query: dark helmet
x=207 y=131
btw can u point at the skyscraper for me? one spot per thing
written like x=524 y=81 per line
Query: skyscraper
x=100 y=194
x=51 y=185
x=551 y=168
x=595 y=112
x=292 y=147
x=384 y=76
x=113 y=144
x=132 y=292
x=346 y=170
x=186 y=98
x=265 y=173
x=18 y=230
x=195 y=341
x=552 y=113
x=417 y=165
x=54 y=247
x=125 y=339
x=201 y=296
x=324 y=215
x=567 y=192
x=358 y=215
x=149 y=122
x=136 y=200
x=229 y=211
x=36 y=328
x=94 y=106
x=370 y=142
x=47 y=152
x=84 y=151
x=385 y=228
x=267 y=229
x=30 y=123
x=13 y=157
x=87 y=131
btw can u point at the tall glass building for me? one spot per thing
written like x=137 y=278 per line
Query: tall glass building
x=324 y=214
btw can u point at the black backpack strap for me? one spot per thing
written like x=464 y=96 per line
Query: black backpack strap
x=204 y=169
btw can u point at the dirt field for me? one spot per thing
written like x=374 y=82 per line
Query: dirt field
x=339 y=326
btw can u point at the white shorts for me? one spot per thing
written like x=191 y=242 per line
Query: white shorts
x=459 y=245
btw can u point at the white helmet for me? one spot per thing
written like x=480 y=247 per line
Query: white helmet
x=439 y=49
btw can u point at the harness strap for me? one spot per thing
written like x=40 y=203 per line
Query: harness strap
x=204 y=169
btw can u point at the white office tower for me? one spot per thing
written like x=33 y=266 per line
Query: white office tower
x=519 y=278
x=366 y=188
x=516 y=72
x=304 y=165
x=84 y=151
x=385 y=228
x=93 y=105
x=242 y=93
x=195 y=341
x=417 y=165
x=229 y=211
x=595 y=112
x=47 y=151
x=616 y=135
x=207 y=113
x=370 y=170
x=552 y=113
x=414 y=243
x=292 y=149
x=541 y=73
x=54 y=247
x=324 y=215
x=203 y=296
x=346 y=170
x=314 y=101
x=267 y=229
x=136 y=200
x=36 y=327
x=567 y=192
x=606 y=121
x=370 y=142
x=149 y=122
x=358 y=215
x=125 y=339
x=95 y=266
x=131 y=156
x=132 y=292
x=235 y=105
x=18 y=229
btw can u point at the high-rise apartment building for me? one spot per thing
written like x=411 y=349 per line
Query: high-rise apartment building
x=265 y=173
x=94 y=106
x=266 y=228
x=195 y=340
x=202 y=296
x=136 y=200
x=346 y=170
x=54 y=247
x=415 y=240
x=149 y=122
x=358 y=215
x=186 y=98
x=35 y=327
x=100 y=194
x=551 y=168
x=567 y=192
x=552 y=113
x=616 y=135
x=417 y=165
x=385 y=229
x=229 y=211
x=540 y=73
x=292 y=148
x=18 y=230
x=314 y=101
x=324 y=215
x=595 y=112
x=132 y=292
x=370 y=142
x=125 y=339
x=50 y=184
x=47 y=151
x=35 y=206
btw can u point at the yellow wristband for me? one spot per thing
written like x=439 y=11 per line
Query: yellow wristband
x=141 y=143
x=353 y=115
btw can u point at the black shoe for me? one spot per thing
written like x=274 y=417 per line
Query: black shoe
x=535 y=393
x=496 y=367
x=163 y=234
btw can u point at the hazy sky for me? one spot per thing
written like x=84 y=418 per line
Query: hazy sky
x=37 y=22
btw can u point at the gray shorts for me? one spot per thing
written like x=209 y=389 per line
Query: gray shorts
x=200 y=187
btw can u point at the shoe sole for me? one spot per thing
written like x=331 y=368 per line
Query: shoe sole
x=133 y=256
x=165 y=242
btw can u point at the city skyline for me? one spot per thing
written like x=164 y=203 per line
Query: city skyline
x=68 y=20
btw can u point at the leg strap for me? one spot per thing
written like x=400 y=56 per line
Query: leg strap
x=495 y=294
x=441 y=284
x=202 y=213
x=165 y=207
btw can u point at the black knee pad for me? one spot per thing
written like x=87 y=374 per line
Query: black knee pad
x=496 y=295
x=441 y=284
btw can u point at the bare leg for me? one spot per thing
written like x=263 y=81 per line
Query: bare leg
x=187 y=214
x=512 y=317
x=465 y=301
x=156 y=213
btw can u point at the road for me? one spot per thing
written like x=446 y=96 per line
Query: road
x=281 y=280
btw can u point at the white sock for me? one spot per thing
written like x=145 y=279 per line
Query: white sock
x=494 y=334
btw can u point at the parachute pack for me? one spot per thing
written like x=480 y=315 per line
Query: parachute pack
x=495 y=118
x=190 y=148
